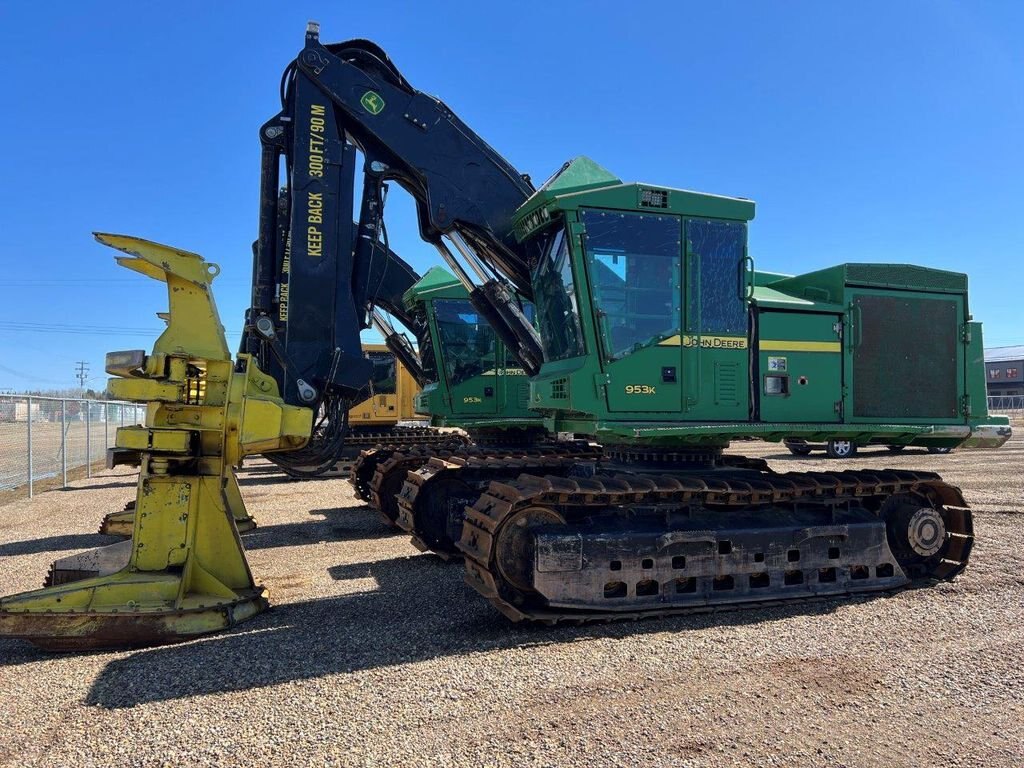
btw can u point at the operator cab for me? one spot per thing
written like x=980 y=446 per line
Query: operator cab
x=655 y=281
x=473 y=373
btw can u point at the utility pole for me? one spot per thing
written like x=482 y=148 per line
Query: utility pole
x=82 y=374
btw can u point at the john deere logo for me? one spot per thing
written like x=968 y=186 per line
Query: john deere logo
x=372 y=103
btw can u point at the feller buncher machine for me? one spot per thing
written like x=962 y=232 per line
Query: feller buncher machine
x=477 y=384
x=655 y=336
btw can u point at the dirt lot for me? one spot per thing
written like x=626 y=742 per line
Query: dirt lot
x=377 y=655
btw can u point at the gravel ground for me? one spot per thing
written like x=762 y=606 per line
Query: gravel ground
x=375 y=654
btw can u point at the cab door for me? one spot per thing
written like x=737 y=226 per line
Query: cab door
x=633 y=261
x=715 y=338
x=469 y=355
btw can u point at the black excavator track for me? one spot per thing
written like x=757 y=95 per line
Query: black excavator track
x=389 y=476
x=630 y=546
x=357 y=442
x=379 y=473
x=380 y=466
x=364 y=468
x=435 y=493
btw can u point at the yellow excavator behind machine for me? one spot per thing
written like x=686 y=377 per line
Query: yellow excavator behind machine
x=392 y=394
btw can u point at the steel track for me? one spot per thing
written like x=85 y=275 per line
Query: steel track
x=579 y=497
x=475 y=467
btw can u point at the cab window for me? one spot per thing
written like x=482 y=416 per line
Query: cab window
x=384 y=373
x=634 y=261
x=467 y=340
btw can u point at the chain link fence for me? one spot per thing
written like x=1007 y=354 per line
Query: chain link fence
x=998 y=403
x=1008 y=405
x=45 y=441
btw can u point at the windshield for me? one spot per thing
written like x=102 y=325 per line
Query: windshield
x=555 y=299
x=718 y=247
x=634 y=261
x=467 y=341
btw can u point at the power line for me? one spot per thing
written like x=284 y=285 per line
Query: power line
x=27 y=376
x=21 y=326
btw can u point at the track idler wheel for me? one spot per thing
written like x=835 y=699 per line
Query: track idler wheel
x=515 y=545
x=928 y=540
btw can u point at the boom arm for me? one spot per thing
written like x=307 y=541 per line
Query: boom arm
x=350 y=93
x=306 y=315
x=293 y=323
x=399 y=346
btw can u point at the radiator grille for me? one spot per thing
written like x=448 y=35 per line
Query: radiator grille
x=905 y=359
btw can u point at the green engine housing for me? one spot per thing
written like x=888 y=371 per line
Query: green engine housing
x=475 y=384
x=657 y=329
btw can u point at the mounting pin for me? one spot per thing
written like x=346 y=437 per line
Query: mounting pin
x=307 y=394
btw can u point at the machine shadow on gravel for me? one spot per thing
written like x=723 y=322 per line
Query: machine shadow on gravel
x=55 y=544
x=336 y=524
x=420 y=610
x=92 y=486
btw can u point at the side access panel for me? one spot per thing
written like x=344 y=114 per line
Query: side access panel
x=800 y=367
x=513 y=390
x=646 y=381
x=476 y=396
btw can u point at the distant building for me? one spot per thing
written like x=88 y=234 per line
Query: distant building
x=13 y=410
x=1004 y=371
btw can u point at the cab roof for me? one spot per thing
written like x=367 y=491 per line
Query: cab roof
x=582 y=183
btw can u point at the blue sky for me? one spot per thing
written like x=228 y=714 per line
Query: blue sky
x=869 y=131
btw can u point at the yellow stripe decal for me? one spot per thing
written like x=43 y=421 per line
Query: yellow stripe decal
x=738 y=342
x=799 y=346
